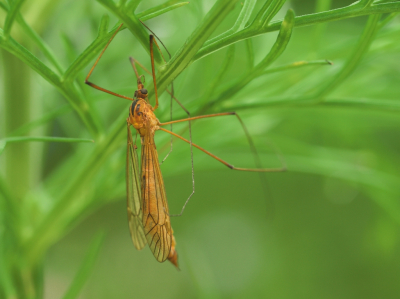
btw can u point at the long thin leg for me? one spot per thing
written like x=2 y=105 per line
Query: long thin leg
x=249 y=139
x=197 y=117
x=257 y=159
x=260 y=170
x=280 y=169
x=94 y=65
x=170 y=117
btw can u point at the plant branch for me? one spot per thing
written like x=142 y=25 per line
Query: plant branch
x=276 y=50
x=350 y=11
x=362 y=47
x=12 y=14
x=185 y=54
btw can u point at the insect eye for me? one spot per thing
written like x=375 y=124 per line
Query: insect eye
x=135 y=96
x=143 y=91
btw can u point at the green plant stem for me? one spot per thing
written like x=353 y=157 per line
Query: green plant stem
x=306 y=20
x=356 y=103
x=276 y=50
x=185 y=54
x=53 y=225
x=362 y=47
x=131 y=21
x=9 y=234
x=159 y=10
x=240 y=23
x=71 y=94
x=364 y=103
x=37 y=39
x=12 y=14
x=16 y=99
x=321 y=6
x=65 y=85
x=48 y=53
x=295 y=65
x=250 y=52
x=45 y=139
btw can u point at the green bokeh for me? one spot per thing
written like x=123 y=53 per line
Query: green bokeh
x=326 y=228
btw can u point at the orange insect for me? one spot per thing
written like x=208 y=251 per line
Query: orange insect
x=148 y=214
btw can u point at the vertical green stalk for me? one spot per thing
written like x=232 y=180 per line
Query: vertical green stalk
x=16 y=99
x=320 y=6
x=17 y=165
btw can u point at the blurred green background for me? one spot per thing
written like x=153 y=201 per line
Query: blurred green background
x=326 y=228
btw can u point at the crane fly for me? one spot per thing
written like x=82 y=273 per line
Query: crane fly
x=148 y=214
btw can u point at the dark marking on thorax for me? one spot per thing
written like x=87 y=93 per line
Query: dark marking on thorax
x=133 y=106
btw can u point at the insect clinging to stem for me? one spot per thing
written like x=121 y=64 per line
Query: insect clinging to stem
x=148 y=213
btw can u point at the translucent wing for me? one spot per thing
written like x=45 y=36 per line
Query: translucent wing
x=134 y=198
x=156 y=222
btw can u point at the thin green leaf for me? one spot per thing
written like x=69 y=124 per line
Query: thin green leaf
x=257 y=20
x=91 y=51
x=384 y=1
x=272 y=10
x=103 y=27
x=362 y=47
x=44 y=139
x=350 y=11
x=250 y=52
x=184 y=55
x=27 y=57
x=48 y=53
x=345 y=103
x=131 y=21
x=365 y=3
x=132 y=5
x=240 y=23
x=276 y=50
x=70 y=93
x=53 y=223
x=101 y=40
x=244 y=15
x=158 y=8
x=282 y=40
x=387 y=19
x=12 y=14
x=86 y=268
x=147 y=15
x=364 y=103
x=296 y=65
